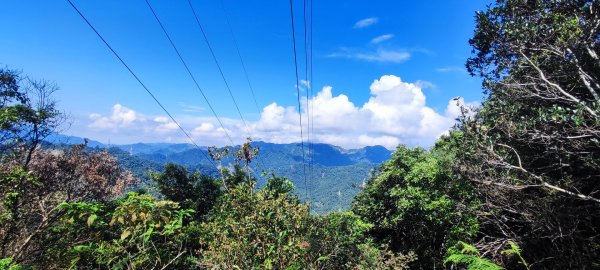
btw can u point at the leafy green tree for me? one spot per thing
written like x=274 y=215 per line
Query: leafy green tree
x=342 y=241
x=339 y=237
x=279 y=185
x=250 y=230
x=27 y=114
x=415 y=204
x=533 y=148
x=190 y=190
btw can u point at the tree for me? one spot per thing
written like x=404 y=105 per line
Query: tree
x=250 y=230
x=342 y=241
x=27 y=114
x=415 y=203
x=34 y=182
x=191 y=190
x=32 y=197
x=533 y=148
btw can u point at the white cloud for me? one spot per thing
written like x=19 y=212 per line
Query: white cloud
x=121 y=117
x=161 y=119
x=425 y=84
x=305 y=83
x=451 y=69
x=205 y=127
x=395 y=113
x=382 y=38
x=190 y=108
x=366 y=22
x=379 y=55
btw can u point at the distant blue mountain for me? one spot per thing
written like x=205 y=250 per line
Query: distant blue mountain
x=69 y=140
x=156 y=148
x=331 y=175
x=373 y=154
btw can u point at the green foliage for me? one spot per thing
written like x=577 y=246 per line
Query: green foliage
x=341 y=241
x=14 y=185
x=463 y=254
x=190 y=190
x=7 y=264
x=533 y=149
x=250 y=230
x=137 y=231
x=468 y=256
x=269 y=229
x=383 y=258
x=31 y=196
x=515 y=250
x=279 y=185
x=415 y=203
x=341 y=238
x=27 y=113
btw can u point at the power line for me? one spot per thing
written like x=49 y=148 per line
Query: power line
x=189 y=72
x=240 y=56
x=237 y=48
x=298 y=93
x=140 y=82
x=218 y=66
x=312 y=121
x=308 y=111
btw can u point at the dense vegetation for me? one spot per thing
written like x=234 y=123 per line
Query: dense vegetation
x=514 y=185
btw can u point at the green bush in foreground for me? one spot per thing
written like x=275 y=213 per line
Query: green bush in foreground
x=136 y=232
x=415 y=203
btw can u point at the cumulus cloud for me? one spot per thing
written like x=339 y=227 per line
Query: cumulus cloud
x=366 y=22
x=379 y=55
x=121 y=117
x=396 y=113
x=382 y=38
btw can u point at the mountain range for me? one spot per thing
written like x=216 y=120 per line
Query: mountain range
x=330 y=177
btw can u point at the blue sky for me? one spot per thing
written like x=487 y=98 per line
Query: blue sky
x=385 y=70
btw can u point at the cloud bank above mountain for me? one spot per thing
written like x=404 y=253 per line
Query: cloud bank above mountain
x=396 y=113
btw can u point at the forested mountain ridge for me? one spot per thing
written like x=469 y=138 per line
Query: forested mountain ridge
x=335 y=177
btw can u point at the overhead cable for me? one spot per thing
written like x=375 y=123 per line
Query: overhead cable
x=298 y=94
x=190 y=73
x=140 y=82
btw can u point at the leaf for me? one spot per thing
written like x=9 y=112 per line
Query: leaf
x=165 y=219
x=125 y=234
x=91 y=219
x=323 y=258
x=268 y=264
x=148 y=233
